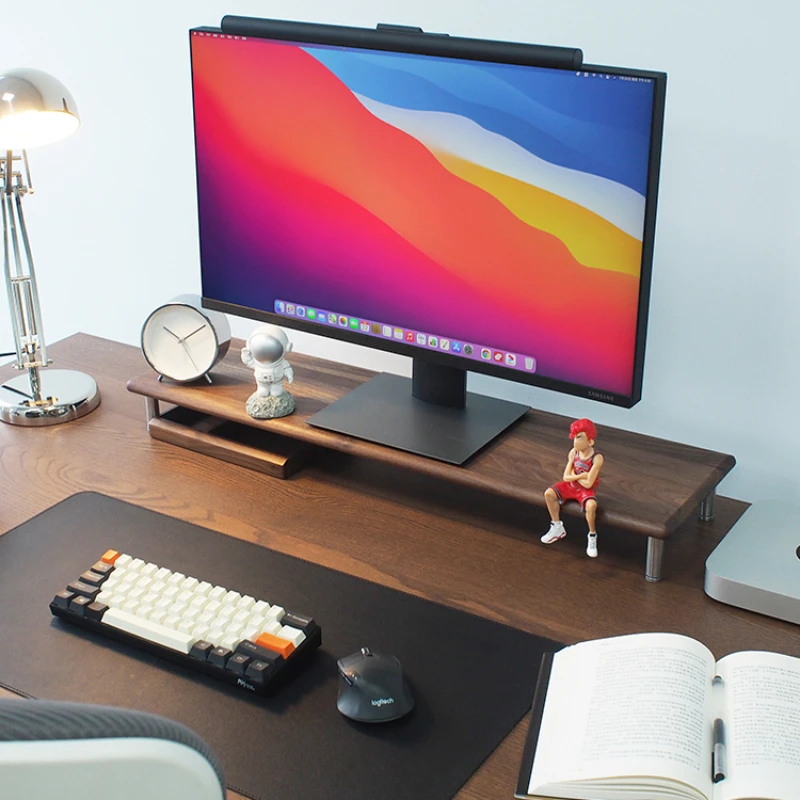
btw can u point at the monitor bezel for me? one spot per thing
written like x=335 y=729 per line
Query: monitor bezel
x=489 y=50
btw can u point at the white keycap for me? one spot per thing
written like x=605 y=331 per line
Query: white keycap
x=206 y=619
x=144 y=610
x=104 y=597
x=163 y=574
x=200 y=631
x=163 y=603
x=294 y=635
x=158 y=616
x=170 y=621
x=218 y=592
x=175 y=579
x=136 y=565
x=184 y=597
x=226 y=613
x=149 y=569
x=240 y=617
x=215 y=636
x=144 y=582
x=191 y=614
x=177 y=609
x=188 y=584
x=136 y=594
x=122 y=561
x=230 y=642
x=231 y=598
x=273 y=627
x=150 y=599
x=129 y=605
x=251 y=633
x=171 y=592
x=198 y=601
x=276 y=613
x=147 y=629
x=112 y=580
x=203 y=588
x=157 y=586
x=261 y=607
x=186 y=625
x=213 y=606
x=254 y=624
x=246 y=602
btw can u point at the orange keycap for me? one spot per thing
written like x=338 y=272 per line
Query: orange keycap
x=276 y=644
x=110 y=556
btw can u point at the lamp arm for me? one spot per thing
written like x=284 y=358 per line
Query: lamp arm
x=20 y=275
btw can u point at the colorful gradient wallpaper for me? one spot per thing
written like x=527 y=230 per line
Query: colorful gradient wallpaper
x=489 y=203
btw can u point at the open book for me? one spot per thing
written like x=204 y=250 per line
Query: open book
x=653 y=716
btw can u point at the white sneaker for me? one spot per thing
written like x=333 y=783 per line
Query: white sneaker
x=555 y=533
x=591 y=545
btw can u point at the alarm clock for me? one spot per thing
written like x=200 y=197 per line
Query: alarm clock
x=182 y=341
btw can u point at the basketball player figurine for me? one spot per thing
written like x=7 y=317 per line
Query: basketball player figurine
x=581 y=476
x=265 y=352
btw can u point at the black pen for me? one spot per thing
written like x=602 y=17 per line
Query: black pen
x=718 y=758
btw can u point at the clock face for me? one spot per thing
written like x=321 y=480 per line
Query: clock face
x=179 y=342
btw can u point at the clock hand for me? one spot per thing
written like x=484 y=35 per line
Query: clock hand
x=193 y=332
x=171 y=333
x=189 y=354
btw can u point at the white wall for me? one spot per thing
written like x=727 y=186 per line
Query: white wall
x=113 y=221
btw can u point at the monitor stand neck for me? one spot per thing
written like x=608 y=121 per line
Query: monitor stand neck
x=442 y=386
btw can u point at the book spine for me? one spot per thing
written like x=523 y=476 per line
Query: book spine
x=537 y=709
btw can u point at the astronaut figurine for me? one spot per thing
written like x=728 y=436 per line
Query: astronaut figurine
x=265 y=352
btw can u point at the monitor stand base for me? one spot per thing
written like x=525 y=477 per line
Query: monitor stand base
x=384 y=411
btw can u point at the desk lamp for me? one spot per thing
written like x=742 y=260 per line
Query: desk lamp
x=35 y=109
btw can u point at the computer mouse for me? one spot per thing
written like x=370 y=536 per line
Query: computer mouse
x=372 y=687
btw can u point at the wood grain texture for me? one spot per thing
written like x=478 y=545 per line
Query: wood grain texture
x=389 y=523
x=649 y=485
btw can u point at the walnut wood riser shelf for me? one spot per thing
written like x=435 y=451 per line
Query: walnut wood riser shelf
x=649 y=486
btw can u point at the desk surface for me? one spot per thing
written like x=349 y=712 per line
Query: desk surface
x=381 y=522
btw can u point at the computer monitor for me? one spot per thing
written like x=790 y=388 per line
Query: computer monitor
x=479 y=206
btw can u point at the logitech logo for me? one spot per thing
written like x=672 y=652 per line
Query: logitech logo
x=384 y=701
x=245 y=684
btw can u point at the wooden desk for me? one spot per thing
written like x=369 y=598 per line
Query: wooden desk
x=382 y=522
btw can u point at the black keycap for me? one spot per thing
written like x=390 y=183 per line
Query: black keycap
x=86 y=589
x=78 y=604
x=259 y=672
x=218 y=656
x=253 y=650
x=300 y=621
x=238 y=663
x=201 y=650
x=92 y=578
x=101 y=568
x=95 y=610
x=62 y=598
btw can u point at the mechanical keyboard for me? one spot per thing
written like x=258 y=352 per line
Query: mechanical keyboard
x=238 y=639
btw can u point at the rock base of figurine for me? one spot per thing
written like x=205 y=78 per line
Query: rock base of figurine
x=270 y=407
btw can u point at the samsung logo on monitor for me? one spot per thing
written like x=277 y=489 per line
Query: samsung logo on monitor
x=607 y=398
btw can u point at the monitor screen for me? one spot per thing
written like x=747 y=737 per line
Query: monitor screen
x=490 y=216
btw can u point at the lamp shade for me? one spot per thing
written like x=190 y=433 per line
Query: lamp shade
x=35 y=108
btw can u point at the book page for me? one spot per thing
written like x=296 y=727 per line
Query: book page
x=762 y=726
x=626 y=706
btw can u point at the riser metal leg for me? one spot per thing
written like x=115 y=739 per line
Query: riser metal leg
x=655 y=557
x=707 y=506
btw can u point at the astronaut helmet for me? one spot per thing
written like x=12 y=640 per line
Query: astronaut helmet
x=268 y=344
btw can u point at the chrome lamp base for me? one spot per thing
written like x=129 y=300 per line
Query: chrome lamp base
x=66 y=395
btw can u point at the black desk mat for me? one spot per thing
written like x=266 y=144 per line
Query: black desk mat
x=473 y=679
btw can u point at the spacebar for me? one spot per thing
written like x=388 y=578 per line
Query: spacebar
x=175 y=640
